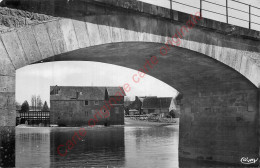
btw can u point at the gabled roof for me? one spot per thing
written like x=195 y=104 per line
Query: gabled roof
x=145 y=97
x=115 y=91
x=150 y=102
x=156 y=102
x=82 y=93
x=136 y=104
x=165 y=102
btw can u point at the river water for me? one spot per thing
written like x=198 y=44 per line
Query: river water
x=121 y=146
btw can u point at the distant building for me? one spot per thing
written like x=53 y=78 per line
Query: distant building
x=75 y=106
x=158 y=105
x=135 y=106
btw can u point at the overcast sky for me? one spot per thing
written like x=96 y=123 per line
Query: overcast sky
x=36 y=79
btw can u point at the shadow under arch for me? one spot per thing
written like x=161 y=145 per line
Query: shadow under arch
x=180 y=68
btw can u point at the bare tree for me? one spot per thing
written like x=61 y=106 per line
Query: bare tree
x=33 y=102
x=36 y=102
x=39 y=102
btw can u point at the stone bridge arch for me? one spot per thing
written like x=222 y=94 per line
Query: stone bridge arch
x=220 y=109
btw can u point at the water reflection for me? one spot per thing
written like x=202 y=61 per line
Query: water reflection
x=7 y=146
x=101 y=147
x=125 y=146
x=151 y=146
x=32 y=147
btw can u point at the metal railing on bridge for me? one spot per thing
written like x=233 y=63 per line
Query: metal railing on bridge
x=228 y=11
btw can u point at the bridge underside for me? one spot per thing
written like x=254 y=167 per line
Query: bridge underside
x=219 y=111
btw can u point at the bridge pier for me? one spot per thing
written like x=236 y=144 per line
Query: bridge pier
x=220 y=125
x=7 y=146
x=258 y=98
x=7 y=121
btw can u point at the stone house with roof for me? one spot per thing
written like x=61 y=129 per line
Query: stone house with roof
x=75 y=106
x=158 y=105
x=135 y=106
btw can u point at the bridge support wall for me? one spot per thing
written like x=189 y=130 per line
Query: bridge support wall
x=258 y=125
x=220 y=124
x=7 y=120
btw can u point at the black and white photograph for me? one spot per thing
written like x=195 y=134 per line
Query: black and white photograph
x=129 y=83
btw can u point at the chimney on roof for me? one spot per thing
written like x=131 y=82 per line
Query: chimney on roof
x=77 y=95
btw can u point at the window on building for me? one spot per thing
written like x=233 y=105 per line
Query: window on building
x=86 y=102
x=55 y=91
x=96 y=102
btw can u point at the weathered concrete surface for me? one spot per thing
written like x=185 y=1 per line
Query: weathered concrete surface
x=105 y=19
x=13 y=18
x=81 y=8
x=7 y=89
x=7 y=112
x=42 y=43
x=7 y=101
x=218 y=125
x=7 y=109
x=218 y=74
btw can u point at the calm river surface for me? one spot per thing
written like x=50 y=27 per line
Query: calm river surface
x=122 y=146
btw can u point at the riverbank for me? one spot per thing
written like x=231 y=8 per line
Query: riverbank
x=128 y=122
x=31 y=126
x=131 y=122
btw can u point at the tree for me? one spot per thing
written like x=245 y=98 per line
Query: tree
x=39 y=103
x=45 y=107
x=33 y=102
x=25 y=106
x=36 y=102
x=17 y=105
